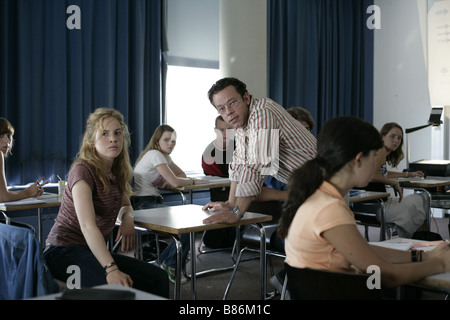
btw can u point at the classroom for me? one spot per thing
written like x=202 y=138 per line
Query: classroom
x=150 y=67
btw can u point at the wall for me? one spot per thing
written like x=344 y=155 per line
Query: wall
x=243 y=43
x=400 y=72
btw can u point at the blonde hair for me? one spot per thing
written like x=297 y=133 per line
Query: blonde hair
x=7 y=128
x=121 y=168
x=154 y=140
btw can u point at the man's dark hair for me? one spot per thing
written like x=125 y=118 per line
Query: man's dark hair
x=221 y=84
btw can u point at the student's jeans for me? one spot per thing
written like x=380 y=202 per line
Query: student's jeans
x=146 y=277
x=169 y=255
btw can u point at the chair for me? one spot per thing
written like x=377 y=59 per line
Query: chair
x=311 y=284
x=24 y=272
x=251 y=241
x=372 y=214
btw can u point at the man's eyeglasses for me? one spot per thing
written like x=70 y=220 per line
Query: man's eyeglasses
x=233 y=103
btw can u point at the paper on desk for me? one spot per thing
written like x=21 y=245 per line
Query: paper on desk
x=405 y=245
x=402 y=246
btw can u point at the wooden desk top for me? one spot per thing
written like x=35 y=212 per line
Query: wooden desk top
x=368 y=195
x=214 y=182
x=186 y=218
x=430 y=182
x=440 y=281
x=48 y=200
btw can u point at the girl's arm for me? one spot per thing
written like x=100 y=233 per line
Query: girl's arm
x=377 y=177
x=84 y=207
x=126 y=229
x=6 y=195
x=176 y=181
x=395 y=266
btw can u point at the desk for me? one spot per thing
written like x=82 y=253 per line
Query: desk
x=431 y=185
x=366 y=216
x=214 y=182
x=139 y=295
x=427 y=183
x=367 y=196
x=177 y=220
x=47 y=200
x=437 y=282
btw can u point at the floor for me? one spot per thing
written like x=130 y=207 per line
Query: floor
x=246 y=285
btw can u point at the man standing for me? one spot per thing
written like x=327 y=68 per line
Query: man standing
x=269 y=141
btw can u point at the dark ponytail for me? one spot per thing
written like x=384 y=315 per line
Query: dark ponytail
x=340 y=140
x=299 y=191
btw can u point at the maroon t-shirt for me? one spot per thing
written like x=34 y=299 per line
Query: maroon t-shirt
x=66 y=231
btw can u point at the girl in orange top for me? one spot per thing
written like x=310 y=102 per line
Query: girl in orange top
x=319 y=227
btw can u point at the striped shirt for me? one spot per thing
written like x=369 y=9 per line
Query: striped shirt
x=273 y=143
x=67 y=231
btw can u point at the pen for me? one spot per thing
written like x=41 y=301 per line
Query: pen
x=38 y=184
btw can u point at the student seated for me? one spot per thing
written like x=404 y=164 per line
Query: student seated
x=97 y=193
x=154 y=170
x=6 y=144
x=409 y=213
x=318 y=226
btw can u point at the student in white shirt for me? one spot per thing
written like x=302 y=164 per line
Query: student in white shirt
x=154 y=170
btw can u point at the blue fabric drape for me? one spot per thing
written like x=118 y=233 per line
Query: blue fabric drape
x=321 y=57
x=52 y=76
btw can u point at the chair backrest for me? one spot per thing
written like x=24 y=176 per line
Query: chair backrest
x=367 y=211
x=311 y=284
x=19 y=224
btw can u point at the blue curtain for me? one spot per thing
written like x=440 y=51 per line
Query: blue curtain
x=53 y=75
x=321 y=57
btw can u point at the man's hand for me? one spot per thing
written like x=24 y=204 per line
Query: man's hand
x=226 y=217
x=218 y=206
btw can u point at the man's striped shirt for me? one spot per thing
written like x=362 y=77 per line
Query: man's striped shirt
x=273 y=143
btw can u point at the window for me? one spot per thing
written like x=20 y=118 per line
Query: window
x=190 y=113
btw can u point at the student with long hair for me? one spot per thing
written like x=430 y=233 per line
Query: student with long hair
x=319 y=227
x=6 y=144
x=97 y=193
x=408 y=213
x=154 y=170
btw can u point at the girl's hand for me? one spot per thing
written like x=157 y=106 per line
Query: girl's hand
x=35 y=190
x=117 y=276
x=126 y=230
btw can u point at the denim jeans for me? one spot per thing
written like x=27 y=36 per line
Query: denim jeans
x=146 y=277
x=169 y=255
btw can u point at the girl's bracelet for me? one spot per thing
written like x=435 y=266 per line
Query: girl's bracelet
x=108 y=272
x=109 y=265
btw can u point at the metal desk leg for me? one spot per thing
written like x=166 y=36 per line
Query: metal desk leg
x=193 y=266
x=262 y=261
x=177 y=285
x=40 y=225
